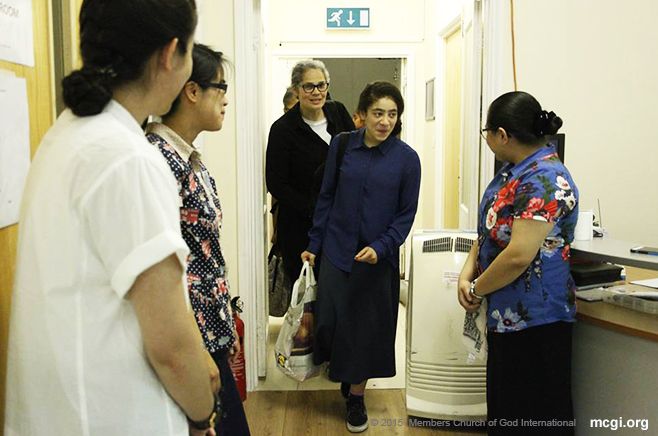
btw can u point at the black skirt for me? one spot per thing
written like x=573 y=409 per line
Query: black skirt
x=356 y=317
x=529 y=379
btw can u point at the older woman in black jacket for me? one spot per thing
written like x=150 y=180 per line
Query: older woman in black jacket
x=297 y=146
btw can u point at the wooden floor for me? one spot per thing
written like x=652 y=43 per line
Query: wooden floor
x=322 y=413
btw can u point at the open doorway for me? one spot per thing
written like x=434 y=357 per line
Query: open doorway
x=348 y=77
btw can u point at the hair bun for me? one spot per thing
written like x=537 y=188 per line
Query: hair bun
x=86 y=91
x=547 y=123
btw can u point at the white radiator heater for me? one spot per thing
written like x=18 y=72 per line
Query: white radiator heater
x=440 y=384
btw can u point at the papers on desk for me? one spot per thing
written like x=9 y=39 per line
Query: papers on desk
x=633 y=297
x=598 y=294
x=651 y=283
x=595 y=294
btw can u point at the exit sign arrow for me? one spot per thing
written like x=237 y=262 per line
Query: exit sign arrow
x=351 y=20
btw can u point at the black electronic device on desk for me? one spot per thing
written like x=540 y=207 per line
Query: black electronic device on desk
x=592 y=274
x=643 y=249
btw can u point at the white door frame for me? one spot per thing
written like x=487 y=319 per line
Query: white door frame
x=250 y=134
x=471 y=115
x=440 y=144
x=495 y=13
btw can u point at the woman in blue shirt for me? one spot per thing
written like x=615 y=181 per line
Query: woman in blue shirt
x=520 y=264
x=359 y=224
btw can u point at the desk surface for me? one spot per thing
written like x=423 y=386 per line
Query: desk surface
x=613 y=250
x=621 y=319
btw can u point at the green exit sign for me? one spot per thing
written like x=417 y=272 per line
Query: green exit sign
x=348 y=18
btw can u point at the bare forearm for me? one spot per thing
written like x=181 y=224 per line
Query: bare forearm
x=186 y=379
x=469 y=270
x=506 y=268
x=172 y=342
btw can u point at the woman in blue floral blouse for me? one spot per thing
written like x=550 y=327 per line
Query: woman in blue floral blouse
x=520 y=264
x=201 y=106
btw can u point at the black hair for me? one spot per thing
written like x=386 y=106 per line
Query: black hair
x=206 y=62
x=522 y=117
x=117 y=37
x=377 y=90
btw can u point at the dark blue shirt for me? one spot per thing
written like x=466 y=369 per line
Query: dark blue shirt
x=538 y=188
x=375 y=203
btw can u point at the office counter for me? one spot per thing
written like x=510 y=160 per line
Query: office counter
x=615 y=350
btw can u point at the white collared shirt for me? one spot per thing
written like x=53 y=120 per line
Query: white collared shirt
x=100 y=207
x=188 y=152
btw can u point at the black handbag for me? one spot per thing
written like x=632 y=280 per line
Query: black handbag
x=279 y=286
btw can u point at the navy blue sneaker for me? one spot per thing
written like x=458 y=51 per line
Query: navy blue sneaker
x=357 y=417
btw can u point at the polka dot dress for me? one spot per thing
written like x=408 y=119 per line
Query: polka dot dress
x=201 y=222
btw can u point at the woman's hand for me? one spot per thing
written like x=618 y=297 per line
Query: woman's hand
x=367 y=255
x=467 y=301
x=309 y=257
x=235 y=349
x=195 y=432
x=215 y=382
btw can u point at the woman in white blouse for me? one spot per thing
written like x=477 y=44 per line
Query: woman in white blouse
x=101 y=342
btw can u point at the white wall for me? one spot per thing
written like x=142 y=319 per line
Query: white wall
x=216 y=29
x=594 y=63
x=446 y=11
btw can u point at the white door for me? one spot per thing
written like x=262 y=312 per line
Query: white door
x=471 y=96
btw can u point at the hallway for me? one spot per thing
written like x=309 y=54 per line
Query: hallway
x=322 y=413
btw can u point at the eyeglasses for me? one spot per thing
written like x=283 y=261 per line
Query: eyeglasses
x=484 y=131
x=223 y=86
x=310 y=87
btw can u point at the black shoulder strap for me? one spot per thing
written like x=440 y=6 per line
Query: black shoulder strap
x=342 y=146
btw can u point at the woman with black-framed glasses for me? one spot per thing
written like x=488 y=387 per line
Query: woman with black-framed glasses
x=297 y=146
x=200 y=107
x=520 y=266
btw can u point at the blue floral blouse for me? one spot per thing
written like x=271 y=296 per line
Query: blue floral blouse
x=201 y=222
x=539 y=188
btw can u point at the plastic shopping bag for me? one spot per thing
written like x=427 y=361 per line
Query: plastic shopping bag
x=294 y=346
x=475 y=334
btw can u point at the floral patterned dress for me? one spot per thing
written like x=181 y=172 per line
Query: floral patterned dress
x=539 y=188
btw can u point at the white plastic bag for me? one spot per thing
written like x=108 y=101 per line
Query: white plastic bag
x=294 y=346
x=475 y=334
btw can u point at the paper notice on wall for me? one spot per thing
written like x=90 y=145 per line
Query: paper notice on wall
x=14 y=146
x=450 y=276
x=16 y=39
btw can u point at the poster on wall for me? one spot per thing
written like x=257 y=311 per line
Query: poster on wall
x=16 y=39
x=14 y=146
